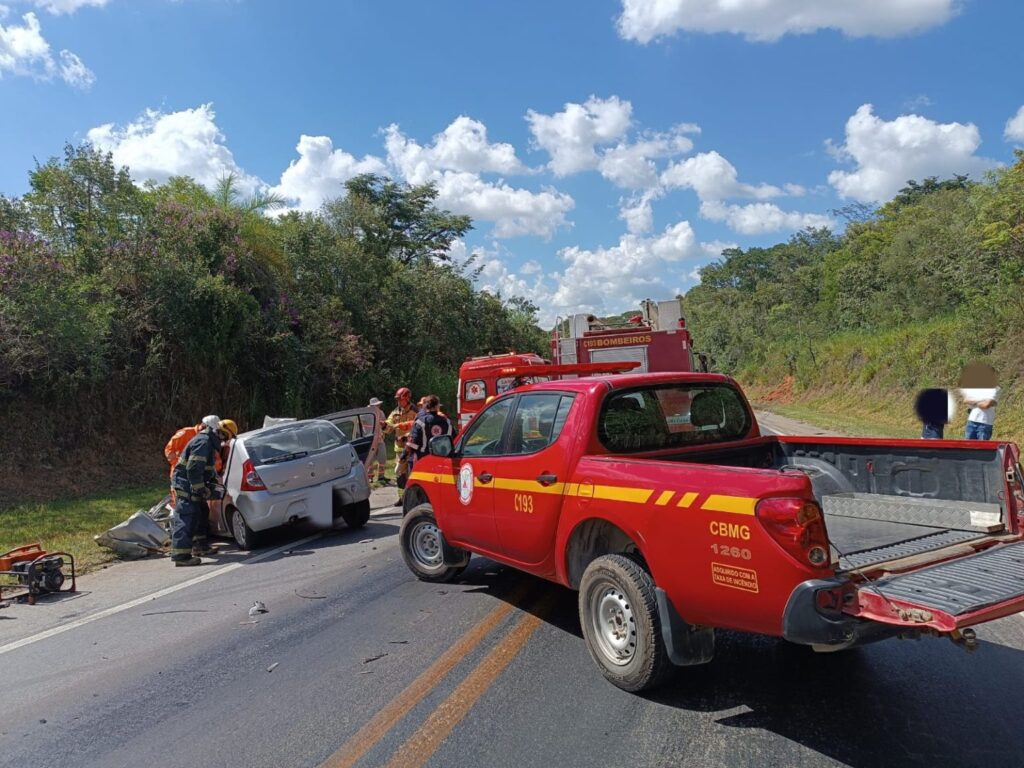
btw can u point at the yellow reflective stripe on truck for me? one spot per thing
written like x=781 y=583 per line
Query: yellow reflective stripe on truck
x=717 y=502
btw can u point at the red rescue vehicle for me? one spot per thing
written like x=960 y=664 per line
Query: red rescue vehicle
x=656 y=340
x=657 y=497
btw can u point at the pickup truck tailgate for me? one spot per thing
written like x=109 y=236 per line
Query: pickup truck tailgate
x=948 y=596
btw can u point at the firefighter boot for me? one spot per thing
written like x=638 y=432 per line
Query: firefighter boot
x=186 y=563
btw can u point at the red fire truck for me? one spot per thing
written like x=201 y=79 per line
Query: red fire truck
x=653 y=341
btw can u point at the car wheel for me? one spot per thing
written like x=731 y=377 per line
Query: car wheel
x=356 y=515
x=621 y=626
x=244 y=536
x=420 y=540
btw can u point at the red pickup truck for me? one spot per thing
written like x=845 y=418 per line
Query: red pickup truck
x=657 y=497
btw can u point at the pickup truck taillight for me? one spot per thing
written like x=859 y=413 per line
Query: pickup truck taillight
x=798 y=527
x=251 y=480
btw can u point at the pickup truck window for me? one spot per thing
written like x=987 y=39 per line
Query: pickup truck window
x=671 y=415
x=538 y=421
x=484 y=437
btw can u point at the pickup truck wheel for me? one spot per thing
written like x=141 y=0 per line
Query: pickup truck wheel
x=620 y=622
x=245 y=537
x=420 y=540
x=356 y=515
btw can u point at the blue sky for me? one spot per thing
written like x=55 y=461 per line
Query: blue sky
x=605 y=148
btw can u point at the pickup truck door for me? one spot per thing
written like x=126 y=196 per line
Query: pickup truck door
x=470 y=509
x=530 y=476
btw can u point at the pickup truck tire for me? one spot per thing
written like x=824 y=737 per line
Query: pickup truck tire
x=620 y=622
x=356 y=515
x=420 y=541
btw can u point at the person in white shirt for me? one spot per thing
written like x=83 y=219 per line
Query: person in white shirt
x=980 y=393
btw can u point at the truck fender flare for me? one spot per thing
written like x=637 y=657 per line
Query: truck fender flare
x=687 y=644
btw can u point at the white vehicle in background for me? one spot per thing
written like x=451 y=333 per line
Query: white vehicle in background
x=298 y=471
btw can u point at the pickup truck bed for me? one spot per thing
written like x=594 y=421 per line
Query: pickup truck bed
x=885 y=502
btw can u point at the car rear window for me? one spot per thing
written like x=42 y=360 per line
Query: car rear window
x=672 y=415
x=293 y=441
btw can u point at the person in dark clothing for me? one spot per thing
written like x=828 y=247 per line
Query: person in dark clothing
x=933 y=409
x=195 y=479
x=430 y=423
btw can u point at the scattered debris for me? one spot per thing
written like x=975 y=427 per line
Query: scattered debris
x=365 y=541
x=42 y=720
x=184 y=610
x=398 y=642
x=243 y=623
x=258 y=608
x=366 y=672
x=273 y=666
x=374 y=658
x=310 y=597
x=442 y=591
x=140 y=535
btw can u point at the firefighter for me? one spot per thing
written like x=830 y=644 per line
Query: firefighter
x=194 y=483
x=399 y=423
x=429 y=424
x=177 y=443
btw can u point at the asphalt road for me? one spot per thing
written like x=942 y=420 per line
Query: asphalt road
x=356 y=663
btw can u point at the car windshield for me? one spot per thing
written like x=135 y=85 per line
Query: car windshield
x=672 y=415
x=293 y=441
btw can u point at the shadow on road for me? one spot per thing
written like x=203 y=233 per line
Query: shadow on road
x=893 y=703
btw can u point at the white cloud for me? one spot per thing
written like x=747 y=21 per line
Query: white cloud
x=768 y=20
x=74 y=72
x=715 y=247
x=320 y=172
x=25 y=52
x=1014 y=130
x=887 y=154
x=68 y=6
x=637 y=213
x=760 y=218
x=713 y=177
x=514 y=211
x=607 y=280
x=463 y=146
x=601 y=280
x=186 y=143
x=631 y=164
x=571 y=135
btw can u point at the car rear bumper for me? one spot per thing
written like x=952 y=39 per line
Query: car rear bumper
x=315 y=505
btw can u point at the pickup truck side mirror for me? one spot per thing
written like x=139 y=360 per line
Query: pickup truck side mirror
x=441 y=446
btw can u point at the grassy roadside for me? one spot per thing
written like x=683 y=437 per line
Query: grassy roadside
x=69 y=525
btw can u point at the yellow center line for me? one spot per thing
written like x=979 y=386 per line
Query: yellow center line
x=367 y=736
x=421 y=746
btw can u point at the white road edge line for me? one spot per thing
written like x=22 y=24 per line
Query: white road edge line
x=153 y=596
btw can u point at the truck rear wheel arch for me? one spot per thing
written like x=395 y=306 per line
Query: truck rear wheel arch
x=593 y=538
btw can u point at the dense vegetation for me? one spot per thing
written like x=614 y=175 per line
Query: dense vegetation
x=128 y=310
x=902 y=299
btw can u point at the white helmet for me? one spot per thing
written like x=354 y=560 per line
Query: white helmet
x=213 y=422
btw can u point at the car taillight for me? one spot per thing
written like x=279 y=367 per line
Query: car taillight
x=798 y=527
x=251 y=481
